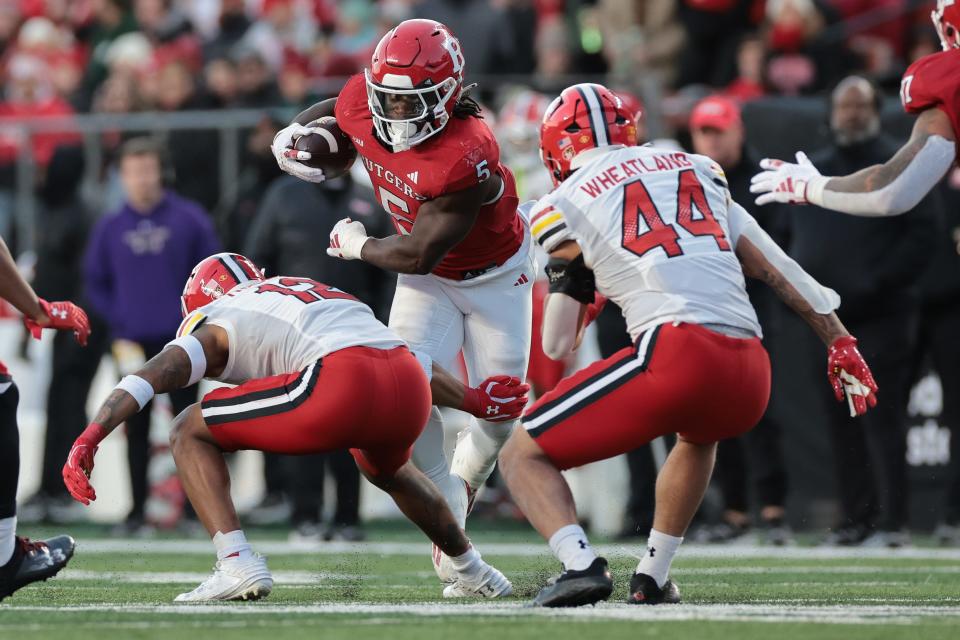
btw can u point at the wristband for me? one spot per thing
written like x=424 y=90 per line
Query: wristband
x=141 y=390
x=194 y=350
x=571 y=277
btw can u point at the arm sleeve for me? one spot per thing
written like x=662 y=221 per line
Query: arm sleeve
x=561 y=315
x=547 y=224
x=742 y=225
x=903 y=194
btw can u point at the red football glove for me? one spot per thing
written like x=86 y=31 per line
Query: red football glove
x=79 y=466
x=850 y=375
x=497 y=399
x=594 y=309
x=63 y=315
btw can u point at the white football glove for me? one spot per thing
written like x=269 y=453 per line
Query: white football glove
x=786 y=182
x=287 y=157
x=347 y=239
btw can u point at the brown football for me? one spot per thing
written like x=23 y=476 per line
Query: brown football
x=330 y=148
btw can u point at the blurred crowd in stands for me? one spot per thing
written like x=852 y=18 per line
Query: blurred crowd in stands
x=115 y=57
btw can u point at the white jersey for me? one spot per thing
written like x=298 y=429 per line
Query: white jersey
x=654 y=227
x=282 y=325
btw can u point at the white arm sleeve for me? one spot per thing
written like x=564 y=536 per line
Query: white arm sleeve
x=920 y=176
x=742 y=225
x=561 y=315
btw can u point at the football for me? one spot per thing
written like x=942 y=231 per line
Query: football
x=330 y=148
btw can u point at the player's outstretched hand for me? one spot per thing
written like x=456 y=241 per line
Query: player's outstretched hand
x=291 y=160
x=784 y=182
x=61 y=315
x=79 y=466
x=849 y=374
x=346 y=239
x=497 y=399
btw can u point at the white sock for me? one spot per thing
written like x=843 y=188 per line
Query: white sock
x=8 y=527
x=572 y=548
x=232 y=544
x=660 y=551
x=466 y=562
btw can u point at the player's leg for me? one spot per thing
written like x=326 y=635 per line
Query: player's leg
x=423 y=504
x=241 y=574
x=497 y=329
x=21 y=561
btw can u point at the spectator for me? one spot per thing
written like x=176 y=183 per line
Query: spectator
x=713 y=28
x=481 y=28
x=292 y=216
x=234 y=23
x=748 y=85
x=717 y=132
x=161 y=21
x=220 y=78
x=284 y=26
x=61 y=234
x=135 y=265
x=112 y=19
x=874 y=264
x=256 y=84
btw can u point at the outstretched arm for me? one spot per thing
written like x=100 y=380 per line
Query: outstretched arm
x=887 y=189
x=173 y=368
x=761 y=258
x=498 y=398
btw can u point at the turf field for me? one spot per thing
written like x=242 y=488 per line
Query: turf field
x=386 y=589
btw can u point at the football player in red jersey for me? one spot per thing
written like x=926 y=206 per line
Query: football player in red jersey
x=22 y=561
x=463 y=253
x=930 y=88
x=307 y=359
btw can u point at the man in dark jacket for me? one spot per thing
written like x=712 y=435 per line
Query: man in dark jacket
x=136 y=263
x=874 y=264
x=283 y=239
x=717 y=131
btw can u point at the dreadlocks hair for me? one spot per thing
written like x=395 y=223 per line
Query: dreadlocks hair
x=467 y=107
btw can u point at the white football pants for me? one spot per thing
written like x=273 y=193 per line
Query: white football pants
x=489 y=318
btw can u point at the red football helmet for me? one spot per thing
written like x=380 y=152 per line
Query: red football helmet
x=414 y=80
x=213 y=277
x=946 y=18
x=584 y=116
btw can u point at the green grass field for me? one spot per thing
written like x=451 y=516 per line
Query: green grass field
x=386 y=589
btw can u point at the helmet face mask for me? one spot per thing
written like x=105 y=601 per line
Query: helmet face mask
x=214 y=277
x=424 y=110
x=413 y=83
x=584 y=116
x=946 y=20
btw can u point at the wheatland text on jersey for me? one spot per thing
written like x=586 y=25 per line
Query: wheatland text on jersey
x=616 y=174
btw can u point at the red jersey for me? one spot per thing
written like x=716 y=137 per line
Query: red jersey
x=933 y=81
x=461 y=156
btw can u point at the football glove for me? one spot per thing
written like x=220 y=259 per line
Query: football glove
x=62 y=315
x=497 y=399
x=289 y=159
x=79 y=466
x=849 y=375
x=786 y=182
x=347 y=239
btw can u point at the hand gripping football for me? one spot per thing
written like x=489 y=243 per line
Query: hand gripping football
x=330 y=148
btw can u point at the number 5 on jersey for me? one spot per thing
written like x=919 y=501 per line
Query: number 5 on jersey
x=691 y=202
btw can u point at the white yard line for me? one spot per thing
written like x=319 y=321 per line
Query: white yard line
x=845 y=614
x=180 y=547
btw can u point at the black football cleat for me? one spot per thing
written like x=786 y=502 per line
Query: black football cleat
x=577 y=588
x=644 y=590
x=34 y=562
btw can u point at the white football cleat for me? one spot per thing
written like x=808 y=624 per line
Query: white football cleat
x=485 y=582
x=233 y=579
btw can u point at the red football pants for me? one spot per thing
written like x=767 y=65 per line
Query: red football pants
x=682 y=379
x=374 y=402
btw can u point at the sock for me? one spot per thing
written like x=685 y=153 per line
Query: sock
x=232 y=545
x=477 y=449
x=467 y=561
x=8 y=527
x=572 y=548
x=660 y=551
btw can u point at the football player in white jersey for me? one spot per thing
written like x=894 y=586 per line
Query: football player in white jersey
x=316 y=371
x=655 y=231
